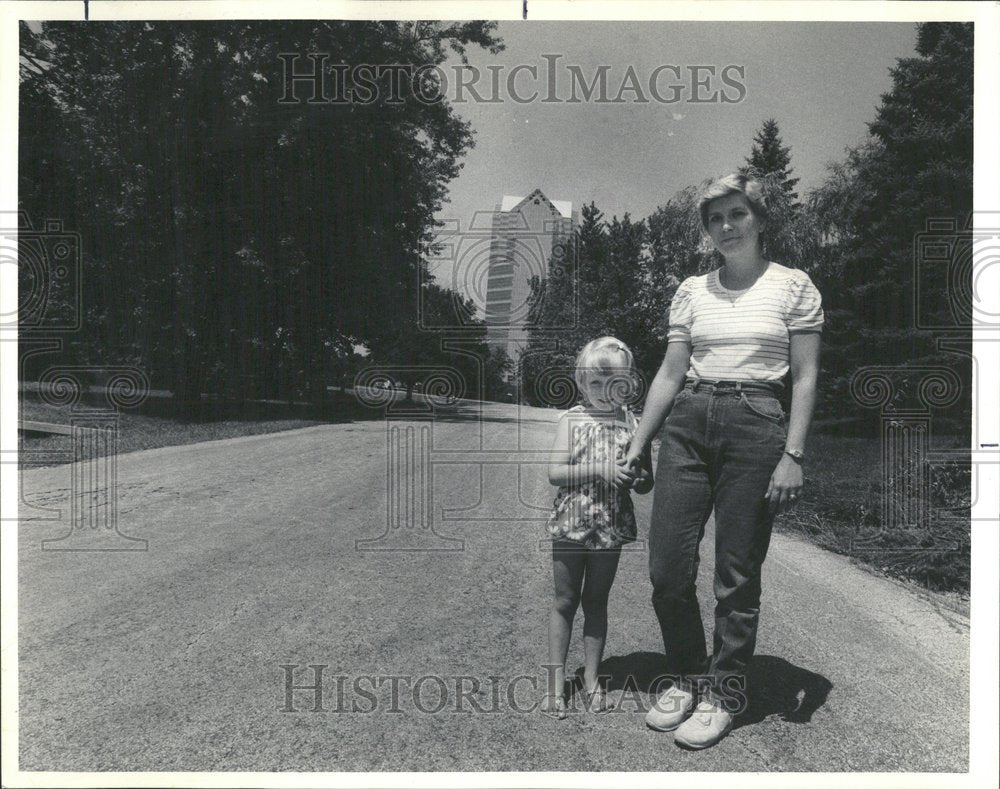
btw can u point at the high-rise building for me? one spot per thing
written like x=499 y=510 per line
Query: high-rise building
x=528 y=234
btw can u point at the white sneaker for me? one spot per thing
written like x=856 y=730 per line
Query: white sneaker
x=670 y=709
x=709 y=724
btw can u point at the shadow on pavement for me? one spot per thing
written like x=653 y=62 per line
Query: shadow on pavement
x=640 y=671
x=777 y=687
x=467 y=411
x=338 y=407
x=774 y=686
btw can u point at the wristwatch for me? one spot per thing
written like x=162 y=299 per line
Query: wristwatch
x=796 y=454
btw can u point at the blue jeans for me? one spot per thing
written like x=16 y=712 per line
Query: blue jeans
x=719 y=446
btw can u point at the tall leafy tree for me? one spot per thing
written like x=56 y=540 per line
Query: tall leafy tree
x=442 y=332
x=231 y=240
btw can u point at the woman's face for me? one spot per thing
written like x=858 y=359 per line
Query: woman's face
x=734 y=228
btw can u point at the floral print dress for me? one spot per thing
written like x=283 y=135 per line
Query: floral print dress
x=595 y=514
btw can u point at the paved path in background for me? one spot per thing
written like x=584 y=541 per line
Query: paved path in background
x=170 y=659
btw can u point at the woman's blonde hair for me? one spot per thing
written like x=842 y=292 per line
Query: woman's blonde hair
x=603 y=355
x=734 y=183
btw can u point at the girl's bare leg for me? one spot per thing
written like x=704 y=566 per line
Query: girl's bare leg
x=568 y=562
x=602 y=565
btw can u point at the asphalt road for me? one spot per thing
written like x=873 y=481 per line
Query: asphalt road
x=171 y=658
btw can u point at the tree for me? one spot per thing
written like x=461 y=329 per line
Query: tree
x=231 y=241
x=442 y=333
x=498 y=365
x=917 y=166
x=602 y=294
x=769 y=158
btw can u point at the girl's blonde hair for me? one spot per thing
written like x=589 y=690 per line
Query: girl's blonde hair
x=603 y=355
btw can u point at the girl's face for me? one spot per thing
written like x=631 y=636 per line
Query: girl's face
x=733 y=226
x=606 y=391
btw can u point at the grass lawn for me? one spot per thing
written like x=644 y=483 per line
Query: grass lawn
x=842 y=510
x=143 y=431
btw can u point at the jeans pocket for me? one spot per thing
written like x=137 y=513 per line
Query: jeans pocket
x=764 y=406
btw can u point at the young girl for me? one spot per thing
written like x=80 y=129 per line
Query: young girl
x=593 y=515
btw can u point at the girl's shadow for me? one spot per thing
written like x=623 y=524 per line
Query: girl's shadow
x=774 y=686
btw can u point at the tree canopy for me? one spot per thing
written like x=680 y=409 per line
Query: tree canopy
x=234 y=243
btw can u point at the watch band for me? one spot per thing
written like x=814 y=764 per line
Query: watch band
x=796 y=454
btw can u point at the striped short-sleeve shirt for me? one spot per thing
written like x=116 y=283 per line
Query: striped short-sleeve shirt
x=743 y=335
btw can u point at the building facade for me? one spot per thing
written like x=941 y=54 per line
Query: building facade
x=528 y=234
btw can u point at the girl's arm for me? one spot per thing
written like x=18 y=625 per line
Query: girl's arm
x=559 y=456
x=564 y=473
x=668 y=382
x=804 y=363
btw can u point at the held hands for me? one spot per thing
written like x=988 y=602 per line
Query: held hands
x=638 y=462
x=617 y=473
x=786 y=485
x=633 y=458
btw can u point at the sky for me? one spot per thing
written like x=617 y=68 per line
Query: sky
x=821 y=81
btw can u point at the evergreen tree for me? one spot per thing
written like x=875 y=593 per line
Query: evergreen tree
x=770 y=159
x=604 y=294
x=916 y=167
x=559 y=317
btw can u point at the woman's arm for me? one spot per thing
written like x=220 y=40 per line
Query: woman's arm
x=563 y=472
x=668 y=382
x=786 y=481
x=644 y=482
x=804 y=362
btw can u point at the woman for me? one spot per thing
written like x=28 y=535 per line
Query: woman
x=735 y=334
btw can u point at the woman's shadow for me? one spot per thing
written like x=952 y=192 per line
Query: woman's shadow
x=773 y=685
